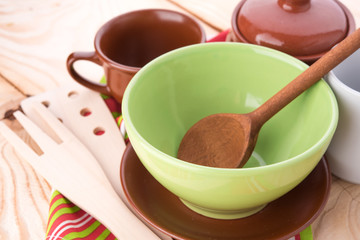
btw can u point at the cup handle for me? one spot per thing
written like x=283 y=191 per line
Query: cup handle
x=89 y=56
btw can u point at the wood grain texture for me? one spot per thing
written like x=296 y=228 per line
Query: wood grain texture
x=36 y=37
x=341 y=217
x=215 y=13
x=68 y=161
x=10 y=98
x=24 y=195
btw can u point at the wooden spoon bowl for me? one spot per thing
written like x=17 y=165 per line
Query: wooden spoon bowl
x=228 y=140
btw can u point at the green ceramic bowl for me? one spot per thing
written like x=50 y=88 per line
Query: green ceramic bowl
x=174 y=91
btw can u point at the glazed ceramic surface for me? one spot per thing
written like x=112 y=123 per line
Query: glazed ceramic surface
x=127 y=42
x=302 y=28
x=283 y=218
x=344 y=151
x=176 y=90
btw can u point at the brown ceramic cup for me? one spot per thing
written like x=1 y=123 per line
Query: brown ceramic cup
x=127 y=42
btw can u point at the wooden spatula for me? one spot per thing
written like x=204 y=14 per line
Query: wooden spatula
x=69 y=103
x=72 y=169
x=82 y=111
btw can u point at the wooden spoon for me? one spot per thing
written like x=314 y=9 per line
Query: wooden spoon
x=227 y=140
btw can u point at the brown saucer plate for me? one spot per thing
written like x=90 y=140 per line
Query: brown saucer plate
x=280 y=219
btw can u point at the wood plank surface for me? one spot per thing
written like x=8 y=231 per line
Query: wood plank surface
x=24 y=195
x=36 y=36
x=10 y=97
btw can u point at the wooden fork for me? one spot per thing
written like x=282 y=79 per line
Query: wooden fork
x=70 y=168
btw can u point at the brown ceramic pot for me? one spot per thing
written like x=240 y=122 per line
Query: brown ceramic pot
x=302 y=28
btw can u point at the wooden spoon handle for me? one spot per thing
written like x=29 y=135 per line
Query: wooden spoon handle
x=307 y=78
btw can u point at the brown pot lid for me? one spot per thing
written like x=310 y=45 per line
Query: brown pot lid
x=297 y=27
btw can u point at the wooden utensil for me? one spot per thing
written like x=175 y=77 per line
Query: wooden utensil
x=228 y=140
x=83 y=111
x=69 y=103
x=73 y=170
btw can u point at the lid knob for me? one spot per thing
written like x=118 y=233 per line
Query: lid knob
x=294 y=5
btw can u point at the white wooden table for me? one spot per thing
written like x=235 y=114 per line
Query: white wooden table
x=36 y=37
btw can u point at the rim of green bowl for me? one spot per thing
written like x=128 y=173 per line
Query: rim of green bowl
x=275 y=53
